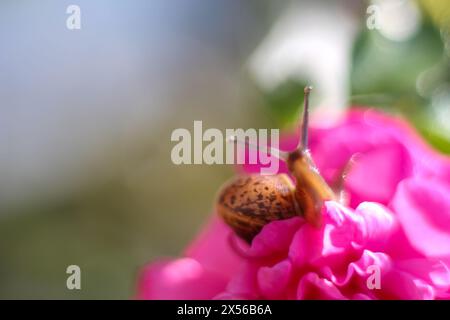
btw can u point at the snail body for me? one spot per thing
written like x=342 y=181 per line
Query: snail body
x=249 y=202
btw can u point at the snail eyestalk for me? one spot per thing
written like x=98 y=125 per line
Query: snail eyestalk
x=269 y=151
x=303 y=145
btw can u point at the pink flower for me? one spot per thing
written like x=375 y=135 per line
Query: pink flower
x=393 y=242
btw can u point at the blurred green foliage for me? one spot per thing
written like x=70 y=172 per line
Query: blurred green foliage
x=391 y=69
x=401 y=77
x=284 y=102
x=397 y=76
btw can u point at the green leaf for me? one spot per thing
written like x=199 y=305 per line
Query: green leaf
x=285 y=101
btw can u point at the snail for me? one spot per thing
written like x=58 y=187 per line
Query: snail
x=248 y=202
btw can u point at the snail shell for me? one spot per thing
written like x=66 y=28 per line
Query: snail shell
x=247 y=203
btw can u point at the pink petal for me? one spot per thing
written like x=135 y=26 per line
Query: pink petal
x=212 y=249
x=331 y=243
x=434 y=272
x=307 y=245
x=361 y=296
x=273 y=281
x=360 y=270
x=179 y=279
x=275 y=237
x=423 y=210
x=243 y=284
x=401 y=285
x=376 y=173
x=379 y=224
x=312 y=287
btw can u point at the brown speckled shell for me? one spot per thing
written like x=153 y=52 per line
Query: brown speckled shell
x=247 y=203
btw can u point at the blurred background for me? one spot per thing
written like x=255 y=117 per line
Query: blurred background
x=86 y=115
